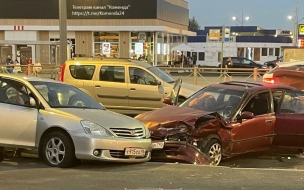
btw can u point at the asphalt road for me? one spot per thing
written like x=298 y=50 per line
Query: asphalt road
x=255 y=171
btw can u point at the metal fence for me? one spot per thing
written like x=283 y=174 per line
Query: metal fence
x=195 y=75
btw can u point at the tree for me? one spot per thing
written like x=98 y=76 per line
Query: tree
x=193 y=24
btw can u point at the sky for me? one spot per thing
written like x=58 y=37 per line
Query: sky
x=269 y=14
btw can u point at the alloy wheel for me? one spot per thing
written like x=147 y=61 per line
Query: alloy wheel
x=55 y=151
x=215 y=154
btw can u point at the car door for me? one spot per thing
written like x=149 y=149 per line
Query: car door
x=236 y=62
x=84 y=75
x=144 y=94
x=289 y=127
x=256 y=133
x=111 y=88
x=18 y=120
x=247 y=63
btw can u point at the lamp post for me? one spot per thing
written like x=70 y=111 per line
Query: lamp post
x=243 y=19
x=63 y=30
x=296 y=22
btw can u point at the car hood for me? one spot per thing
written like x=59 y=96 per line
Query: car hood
x=104 y=118
x=169 y=114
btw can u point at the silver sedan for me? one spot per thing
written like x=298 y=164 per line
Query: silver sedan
x=44 y=116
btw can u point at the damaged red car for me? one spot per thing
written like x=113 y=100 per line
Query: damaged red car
x=225 y=120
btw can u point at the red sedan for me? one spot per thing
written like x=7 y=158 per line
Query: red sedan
x=227 y=119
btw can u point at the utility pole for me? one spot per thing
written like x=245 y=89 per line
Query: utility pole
x=296 y=32
x=222 y=54
x=243 y=21
x=63 y=30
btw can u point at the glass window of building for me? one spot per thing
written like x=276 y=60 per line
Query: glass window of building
x=277 y=51
x=271 y=51
x=106 y=44
x=142 y=46
x=264 y=51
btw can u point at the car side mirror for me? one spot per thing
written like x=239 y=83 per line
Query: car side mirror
x=32 y=102
x=245 y=115
x=168 y=101
x=156 y=83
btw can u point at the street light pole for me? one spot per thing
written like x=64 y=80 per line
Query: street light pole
x=243 y=19
x=63 y=30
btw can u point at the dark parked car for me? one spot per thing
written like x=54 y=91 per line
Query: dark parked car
x=243 y=62
x=273 y=63
x=229 y=119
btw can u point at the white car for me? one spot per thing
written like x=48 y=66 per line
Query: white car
x=282 y=73
x=36 y=114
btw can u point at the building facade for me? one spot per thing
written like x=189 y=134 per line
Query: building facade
x=116 y=28
x=253 y=42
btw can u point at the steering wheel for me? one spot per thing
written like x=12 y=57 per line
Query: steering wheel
x=227 y=110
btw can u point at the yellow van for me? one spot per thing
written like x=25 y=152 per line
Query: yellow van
x=125 y=86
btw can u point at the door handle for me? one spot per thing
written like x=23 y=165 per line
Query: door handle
x=97 y=86
x=268 y=121
x=132 y=88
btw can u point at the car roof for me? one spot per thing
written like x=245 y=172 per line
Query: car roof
x=90 y=61
x=23 y=77
x=251 y=86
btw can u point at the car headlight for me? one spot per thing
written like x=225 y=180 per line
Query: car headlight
x=147 y=132
x=95 y=129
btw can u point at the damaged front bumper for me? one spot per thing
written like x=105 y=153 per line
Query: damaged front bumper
x=179 y=151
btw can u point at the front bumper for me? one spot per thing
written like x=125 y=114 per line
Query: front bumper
x=180 y=151
x=110 y=149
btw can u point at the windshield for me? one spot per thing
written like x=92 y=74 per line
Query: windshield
x=214 y=99
x=162 y=74
x=65 y=96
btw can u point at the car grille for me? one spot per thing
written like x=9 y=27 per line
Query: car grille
x=129 y=133
x=121 y=154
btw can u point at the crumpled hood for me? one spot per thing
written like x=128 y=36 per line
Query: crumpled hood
x=169 y=114
x=104 y=118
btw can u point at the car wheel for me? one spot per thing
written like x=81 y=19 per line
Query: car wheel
x=213 y=149
x=78 y=101
x=58 y=150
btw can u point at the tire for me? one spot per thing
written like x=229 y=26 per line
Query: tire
x=78 y=101
x=58 y=150
x=213 y=149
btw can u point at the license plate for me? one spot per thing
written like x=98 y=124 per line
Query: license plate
x=158 y=145
x=135 y=152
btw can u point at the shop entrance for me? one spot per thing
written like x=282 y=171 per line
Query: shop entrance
x=24 y=53
x=4 y=51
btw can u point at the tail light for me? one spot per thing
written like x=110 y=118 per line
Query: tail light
x=269 y=80
x=61 y=76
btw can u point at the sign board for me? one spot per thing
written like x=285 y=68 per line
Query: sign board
x=139 y=48
x=301 y=43
x=106 y=48
x=227 y=34
x=301 y=29
x=80 y=9
x=214 y=34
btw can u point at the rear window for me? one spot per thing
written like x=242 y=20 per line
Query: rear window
x=82 y=72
